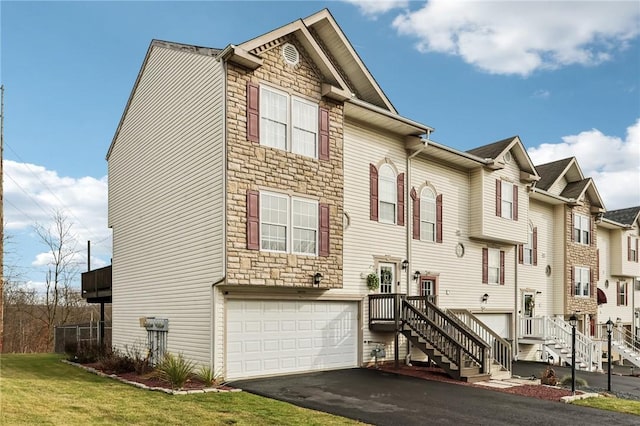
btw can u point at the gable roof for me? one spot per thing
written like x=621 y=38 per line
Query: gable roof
x=627 y=216
x=574 y=190
x=496 y=150
x=550 y=172
x=332 y=53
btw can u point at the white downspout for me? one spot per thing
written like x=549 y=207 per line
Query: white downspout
x=408 y=220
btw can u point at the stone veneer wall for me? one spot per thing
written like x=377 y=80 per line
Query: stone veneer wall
x=580 y=255
x=256 y=167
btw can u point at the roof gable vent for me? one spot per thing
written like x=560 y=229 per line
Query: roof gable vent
x=290 y=54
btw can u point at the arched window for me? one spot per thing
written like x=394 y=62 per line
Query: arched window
x=427 y=215
x=388 y=197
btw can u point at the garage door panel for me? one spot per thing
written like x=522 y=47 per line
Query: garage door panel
x=289 y=336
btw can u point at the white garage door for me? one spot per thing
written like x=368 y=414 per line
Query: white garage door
x=280 y=337
x=499 y=323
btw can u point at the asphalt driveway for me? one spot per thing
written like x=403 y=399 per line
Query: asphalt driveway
x=387 y=399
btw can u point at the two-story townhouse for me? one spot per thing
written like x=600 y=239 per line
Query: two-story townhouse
x=619 y=270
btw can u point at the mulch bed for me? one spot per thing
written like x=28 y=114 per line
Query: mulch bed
x=549 y=393
x=152 y=381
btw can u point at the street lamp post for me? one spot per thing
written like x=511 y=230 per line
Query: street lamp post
x=573 y=320
x=609 y=330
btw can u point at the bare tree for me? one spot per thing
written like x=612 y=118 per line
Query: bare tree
x=59 y=295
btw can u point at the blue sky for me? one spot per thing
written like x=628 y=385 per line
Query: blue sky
x=565 y=77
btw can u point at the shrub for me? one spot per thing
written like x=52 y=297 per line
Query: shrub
x=116 y=362
x=84 y=352
x=140 y=358
x=208 y=377
x=580 y=382
x=175 y=369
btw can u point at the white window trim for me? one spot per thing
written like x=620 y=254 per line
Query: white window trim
x=289 y=123
x=527 y=250
x=423 y=213
x=578 y=224
x=489 y=267
x=578 y=272
x=289 y=225
x=622 y=291
x=506 y=198
x=634 y=252
x=381 y=178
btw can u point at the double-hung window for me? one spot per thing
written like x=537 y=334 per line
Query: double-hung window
x=528 y=248
x=582 y=281
x=493 y=267
x=427 y=215
x=622 y=294
x=288 y=224
x=288 y=122
x=581 y=229
x=507 y=200
x=388 y=196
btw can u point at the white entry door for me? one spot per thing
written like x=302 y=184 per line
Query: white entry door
x=268 y=337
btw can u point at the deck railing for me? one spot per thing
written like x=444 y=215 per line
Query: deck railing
x=500 y=348
x=555 y=329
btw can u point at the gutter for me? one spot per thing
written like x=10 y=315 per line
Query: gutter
x=381 y=111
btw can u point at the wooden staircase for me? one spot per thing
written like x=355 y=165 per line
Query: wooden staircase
x=454 y=348
x=623 y=343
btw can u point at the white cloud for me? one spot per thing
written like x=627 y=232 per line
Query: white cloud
x=612 y=162
x=541 y=94
x=518 y=37
x=378 y=7
x=32 y=194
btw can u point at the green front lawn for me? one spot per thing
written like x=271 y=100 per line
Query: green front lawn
x=39 y=389
x=626 y=406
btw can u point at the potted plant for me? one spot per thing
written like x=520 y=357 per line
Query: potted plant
x=373 y=282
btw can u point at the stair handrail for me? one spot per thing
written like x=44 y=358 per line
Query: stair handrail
x=587 y=350
x=500 y=348
x=448 y=331
x=621 y=334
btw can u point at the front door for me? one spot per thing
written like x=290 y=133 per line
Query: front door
x=387 y=274
x=428 y=288
x=529 y=305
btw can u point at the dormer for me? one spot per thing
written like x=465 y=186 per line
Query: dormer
x=498 y=192
x=624 y=226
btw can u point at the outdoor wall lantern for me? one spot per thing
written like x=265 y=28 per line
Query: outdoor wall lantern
x=317 y=278
x=573 y=320
x=485 y=298
x=416 y=275
x=405 y=264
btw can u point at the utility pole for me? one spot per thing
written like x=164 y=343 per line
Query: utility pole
x=2 y=216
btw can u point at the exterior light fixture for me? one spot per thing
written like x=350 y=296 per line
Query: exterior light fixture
x=609 y=330
x=317 y=278
x=416 y=275
x=485 y=298
x=405 y=264
x=573 y=320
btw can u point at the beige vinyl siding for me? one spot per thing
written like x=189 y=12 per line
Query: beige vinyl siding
x=557 y=187
x=166 y=202
x=532 y=278
x=459 y=278
x=559 y=260
x=363 y=238
x=609 y=309
x=477 y=202
x=620 y=264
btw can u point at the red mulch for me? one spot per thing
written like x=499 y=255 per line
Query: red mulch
x=153 y=381
x=434 y=373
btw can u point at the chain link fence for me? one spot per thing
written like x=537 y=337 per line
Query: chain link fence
x=80 y=333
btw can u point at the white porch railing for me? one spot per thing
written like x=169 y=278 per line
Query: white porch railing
x=555 y=330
